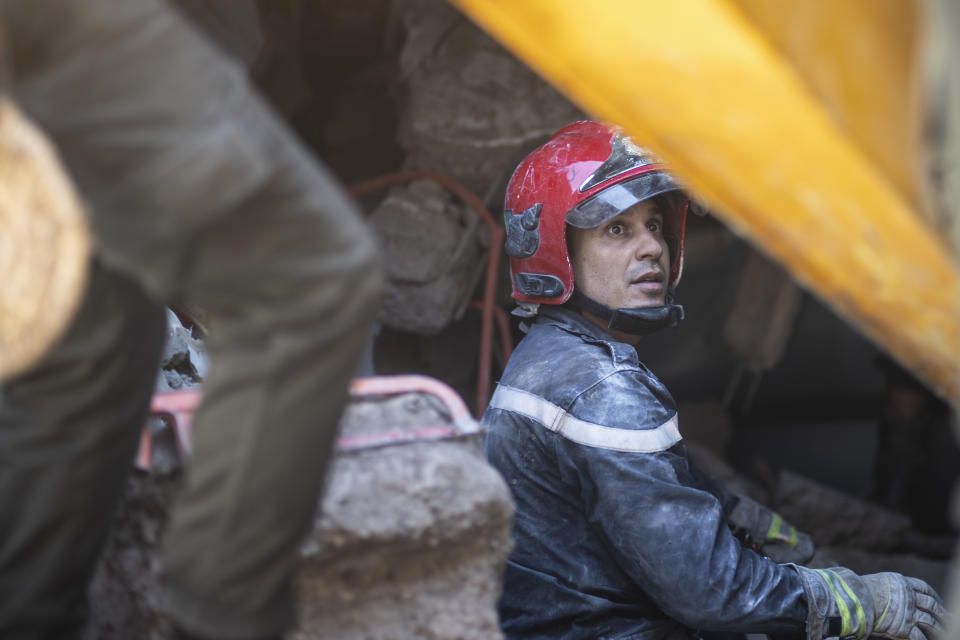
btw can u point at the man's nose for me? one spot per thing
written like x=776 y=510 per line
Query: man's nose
x=648 y=246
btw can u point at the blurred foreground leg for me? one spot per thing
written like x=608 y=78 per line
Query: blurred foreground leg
x=68 y=430
x=291 y=297
x=200 y=194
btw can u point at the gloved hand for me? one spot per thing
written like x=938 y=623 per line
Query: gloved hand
x=775 y=537
x=845 y=605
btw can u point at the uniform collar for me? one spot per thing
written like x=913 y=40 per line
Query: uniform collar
x=574 y=322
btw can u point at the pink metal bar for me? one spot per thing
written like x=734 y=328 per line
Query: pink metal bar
x=181 y=405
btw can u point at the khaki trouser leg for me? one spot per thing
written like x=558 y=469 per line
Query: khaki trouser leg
x=198 y=193
x=291 y=298
x=68 y=431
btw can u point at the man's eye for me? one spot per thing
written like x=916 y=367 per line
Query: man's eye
x=615 y=229
x=654 y=226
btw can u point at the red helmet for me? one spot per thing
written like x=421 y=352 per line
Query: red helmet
x=584 y=175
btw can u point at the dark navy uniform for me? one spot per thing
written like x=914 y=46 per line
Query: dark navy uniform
x=617 y=534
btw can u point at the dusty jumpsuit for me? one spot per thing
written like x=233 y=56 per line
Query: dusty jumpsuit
x=195 y=192
x=617 y=534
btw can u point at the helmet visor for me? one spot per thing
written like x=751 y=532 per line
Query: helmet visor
x=616 y=199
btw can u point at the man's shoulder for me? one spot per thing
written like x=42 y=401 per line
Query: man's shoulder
x=556 y=375
x=557 y=363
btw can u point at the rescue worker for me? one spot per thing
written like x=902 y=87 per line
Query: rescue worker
x=617 y=534
x=195 y=192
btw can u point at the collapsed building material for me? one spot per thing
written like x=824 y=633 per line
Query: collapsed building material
x=410 y=541
x=126 y=599
x=183 y=363
x=832 y=517
x=468 y=105
x=433 y=250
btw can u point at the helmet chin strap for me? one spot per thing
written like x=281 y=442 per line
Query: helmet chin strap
x=638 y=321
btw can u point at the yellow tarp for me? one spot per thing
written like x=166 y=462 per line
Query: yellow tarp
x=798 y=125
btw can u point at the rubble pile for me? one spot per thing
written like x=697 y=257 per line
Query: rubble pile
x=184 y=363
x=858 y=534
x=412 y=539
x=433 y=249
x=832 y=517
x=126 y=599
x=468 y=107
x=848 y=531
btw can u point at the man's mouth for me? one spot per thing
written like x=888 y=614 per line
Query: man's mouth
x=648 y=276
x=649 y=281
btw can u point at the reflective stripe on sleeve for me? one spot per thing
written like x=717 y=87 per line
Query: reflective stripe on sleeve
x=774 y=531
x=580 y=431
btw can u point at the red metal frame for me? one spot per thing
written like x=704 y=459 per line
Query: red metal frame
x=179 y=406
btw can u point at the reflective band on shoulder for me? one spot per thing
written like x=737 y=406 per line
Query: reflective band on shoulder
x=556 y=419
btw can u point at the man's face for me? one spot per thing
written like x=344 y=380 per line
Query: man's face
x=625 y=262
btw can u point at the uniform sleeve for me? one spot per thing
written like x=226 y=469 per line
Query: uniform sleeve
x=728 y=499
x=670 y=535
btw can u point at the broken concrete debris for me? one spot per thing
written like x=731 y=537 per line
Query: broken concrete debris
x=410 y=540
x=126 y=598
x=468 y=107
x=433 y=249
x=183 y=363
x=832 y=517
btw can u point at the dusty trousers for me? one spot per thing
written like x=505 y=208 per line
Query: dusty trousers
x=195 y=192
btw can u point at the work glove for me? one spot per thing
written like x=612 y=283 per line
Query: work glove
x=842 y=604
x=772 y=536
